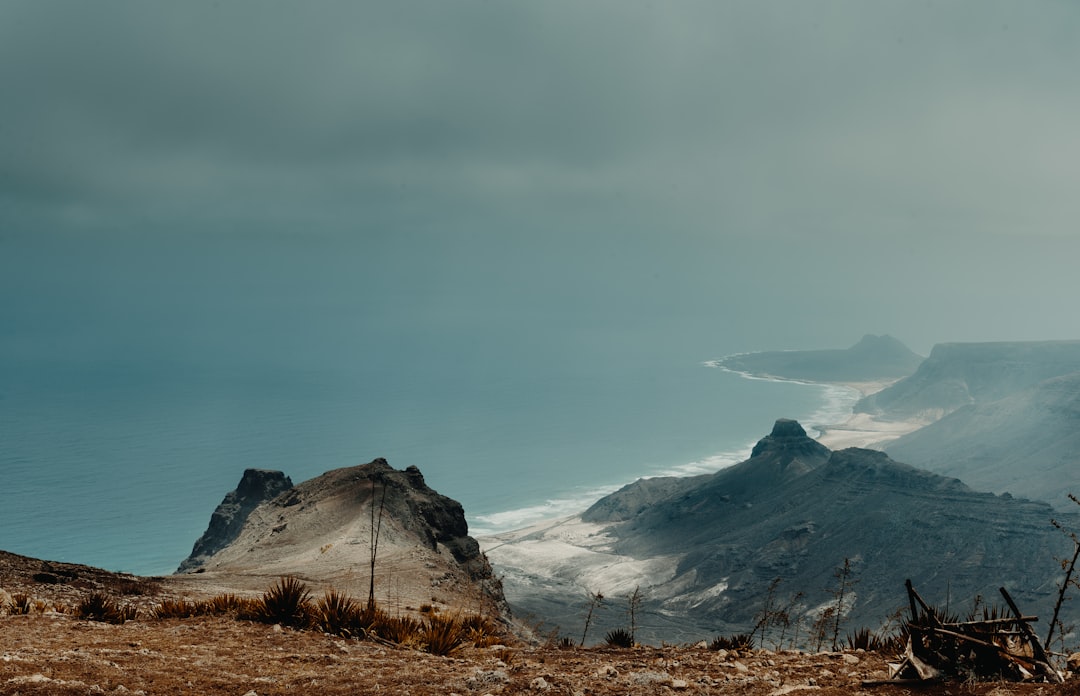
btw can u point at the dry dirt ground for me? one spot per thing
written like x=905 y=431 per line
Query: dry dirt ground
x=48 y=652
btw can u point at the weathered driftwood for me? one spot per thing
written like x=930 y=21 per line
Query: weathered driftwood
x=998 y=648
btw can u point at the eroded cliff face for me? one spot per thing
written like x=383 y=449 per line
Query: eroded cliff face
x=256 y=487
x=324 y=530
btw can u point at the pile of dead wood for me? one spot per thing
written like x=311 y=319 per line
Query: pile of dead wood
x=1003 y=648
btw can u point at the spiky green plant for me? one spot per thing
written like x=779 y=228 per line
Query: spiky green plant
x=287 y=603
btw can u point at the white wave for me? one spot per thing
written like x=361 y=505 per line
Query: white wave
x=838 y=401
x=836 y=406
x=519 y=518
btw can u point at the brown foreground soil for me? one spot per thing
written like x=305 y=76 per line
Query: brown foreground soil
x=53 y=652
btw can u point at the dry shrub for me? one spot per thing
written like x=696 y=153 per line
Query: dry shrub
x=222 y=604
x=287 y=603
x=20 y=604
x=619 y=638
x=442 y=635
x=741 y=641
x=403 y=630
x=338 y=614
x=176 y=609
x=99 y=607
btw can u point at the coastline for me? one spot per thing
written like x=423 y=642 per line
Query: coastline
x=862 y=429
x=572 y=558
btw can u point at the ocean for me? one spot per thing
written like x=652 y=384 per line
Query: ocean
x=139 y=381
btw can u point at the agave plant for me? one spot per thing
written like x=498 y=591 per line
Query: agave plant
x=337 y=614
x=619 y=638
x=99 y=607
x=441 y=635
x=741 y=641
x=287 y=603
x=20 y=604
x=176 y=609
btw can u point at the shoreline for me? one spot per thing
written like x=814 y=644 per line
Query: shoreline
x=862 y=429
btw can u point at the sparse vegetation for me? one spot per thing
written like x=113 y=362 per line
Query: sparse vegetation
x=1068 y=565
x=20 y=604
x=98 y=606
x=596 y=600
x=442 y=635
x=619 y=638
x=176 y=609
x=287 y=603
x=338 y=614
x=742 y=641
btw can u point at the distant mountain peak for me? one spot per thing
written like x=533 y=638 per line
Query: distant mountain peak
x=790 y=438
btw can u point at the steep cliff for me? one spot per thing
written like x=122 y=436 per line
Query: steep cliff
x=959 y=374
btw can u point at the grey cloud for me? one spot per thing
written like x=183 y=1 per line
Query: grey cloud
x=757 y=115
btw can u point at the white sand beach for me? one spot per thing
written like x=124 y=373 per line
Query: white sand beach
x=864 y=430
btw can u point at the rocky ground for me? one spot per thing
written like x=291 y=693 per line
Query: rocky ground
x=53 y=652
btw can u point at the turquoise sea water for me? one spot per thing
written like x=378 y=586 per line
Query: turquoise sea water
x=139 y=381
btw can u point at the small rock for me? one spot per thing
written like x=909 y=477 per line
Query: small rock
x=679 y=684
x=702 y=645
x=826 y=673
x=251 y=693
x=740 y=667
x=850 y=659
x=607 y=671
x=539 y=684
x=722 y=654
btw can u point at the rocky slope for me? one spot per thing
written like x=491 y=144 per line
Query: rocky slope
x=960 y=374
x=322 y=530
x=872 y=358
x=256 y=487
x=1025 y=443
x=705 y=550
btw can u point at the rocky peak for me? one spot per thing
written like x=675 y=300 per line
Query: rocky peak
x=788 y=437
x=256 y=486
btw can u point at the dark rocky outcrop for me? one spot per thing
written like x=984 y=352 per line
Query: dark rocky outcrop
x=959 y=374
x=872 y=358
x=795 y=511
x=256 y=487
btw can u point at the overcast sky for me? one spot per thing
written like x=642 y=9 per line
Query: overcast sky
x=921 y=160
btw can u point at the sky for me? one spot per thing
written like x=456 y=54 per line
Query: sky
x=795 y=174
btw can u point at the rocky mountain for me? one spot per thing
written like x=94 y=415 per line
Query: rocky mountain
x=961 y=374
x=704 y=551
x=256 y=486
x=1026 y=443
x=872 y=358
x=322 y=530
